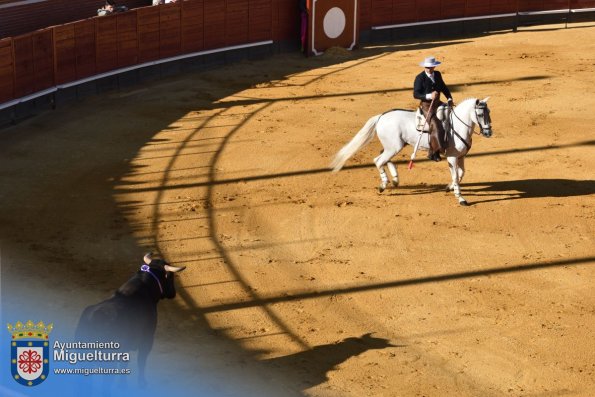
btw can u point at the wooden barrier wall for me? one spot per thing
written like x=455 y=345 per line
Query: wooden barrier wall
x=392 y=12
x=43 y=59
x=6 y=70
x=33 y=62
x=18 y=18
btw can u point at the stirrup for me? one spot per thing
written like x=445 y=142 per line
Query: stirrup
x=434 y=156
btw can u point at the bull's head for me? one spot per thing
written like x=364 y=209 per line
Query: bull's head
x=162 y=274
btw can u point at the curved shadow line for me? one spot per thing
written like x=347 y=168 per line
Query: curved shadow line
x=288 y=297
x=185 y=295
x=213 y=231
x=167 y=170
x=224 y=255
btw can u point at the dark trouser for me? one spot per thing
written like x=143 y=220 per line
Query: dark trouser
x=437 y=134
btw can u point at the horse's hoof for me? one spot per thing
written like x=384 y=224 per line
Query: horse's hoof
x=381 y=188
x=447 y=188
x=464 y=203
x=395 y=183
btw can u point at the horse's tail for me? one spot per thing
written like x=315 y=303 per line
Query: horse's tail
x=361 y=139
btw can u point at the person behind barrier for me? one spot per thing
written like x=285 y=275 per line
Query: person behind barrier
x=110 y=7
x=303 y=7
x=427 y=88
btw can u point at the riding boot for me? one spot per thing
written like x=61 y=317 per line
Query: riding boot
x=434 y=156
x=434 y=152
x=441 y=140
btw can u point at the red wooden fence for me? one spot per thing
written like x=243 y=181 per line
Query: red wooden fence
x=393 y=12
x=6 y=70
x=17 y=17
x=33 y=62
x=43 y=59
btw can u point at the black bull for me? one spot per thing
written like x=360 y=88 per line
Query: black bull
x=129 y=317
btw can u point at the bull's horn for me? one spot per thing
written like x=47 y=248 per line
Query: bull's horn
x=147 y=258
x=174 y=269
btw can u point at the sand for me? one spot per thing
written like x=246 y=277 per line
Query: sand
x=305 y=282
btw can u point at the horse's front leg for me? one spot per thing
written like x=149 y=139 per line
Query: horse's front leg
x=461 y=164
x=460 y=173
x=453 y=165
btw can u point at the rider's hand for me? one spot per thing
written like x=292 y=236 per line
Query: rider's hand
x=435 y=94
x=451 y=102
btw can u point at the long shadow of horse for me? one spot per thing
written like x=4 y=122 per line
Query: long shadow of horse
x=514 y=190
x=310 y=367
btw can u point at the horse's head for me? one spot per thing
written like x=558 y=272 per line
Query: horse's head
x=482 y=115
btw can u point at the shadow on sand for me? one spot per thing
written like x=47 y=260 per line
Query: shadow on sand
x=485 y=192
x=58 y=209
x=312 y=366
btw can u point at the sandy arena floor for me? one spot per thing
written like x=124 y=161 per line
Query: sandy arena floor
x=305 y=282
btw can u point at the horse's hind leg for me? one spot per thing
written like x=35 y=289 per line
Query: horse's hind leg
x=456 y=175
x=380 y=161
x=392 y=168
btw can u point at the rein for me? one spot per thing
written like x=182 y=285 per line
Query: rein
x=452 y=127
x=147 y=269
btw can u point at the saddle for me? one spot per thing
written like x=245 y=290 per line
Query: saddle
x=443 y=114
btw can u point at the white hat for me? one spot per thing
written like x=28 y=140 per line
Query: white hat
x=430 y=62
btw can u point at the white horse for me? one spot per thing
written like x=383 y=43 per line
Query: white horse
x=396 y=128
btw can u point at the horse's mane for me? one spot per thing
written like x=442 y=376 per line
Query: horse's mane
x=468 y=99
x=397 y=110
x=466 y=103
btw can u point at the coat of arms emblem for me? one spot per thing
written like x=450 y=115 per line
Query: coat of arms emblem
x=29 y=352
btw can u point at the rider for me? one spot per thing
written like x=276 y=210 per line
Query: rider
x=427 y=87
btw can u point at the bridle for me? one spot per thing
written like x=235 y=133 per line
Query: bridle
x=485 y=115
x=485 y=129
x=147 y=269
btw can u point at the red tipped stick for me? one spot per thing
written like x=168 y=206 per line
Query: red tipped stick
x=410 y=166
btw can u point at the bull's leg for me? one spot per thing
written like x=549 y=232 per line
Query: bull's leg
x=454 y=173
x=143 y=353
x=107 y=386
x=122 y=380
